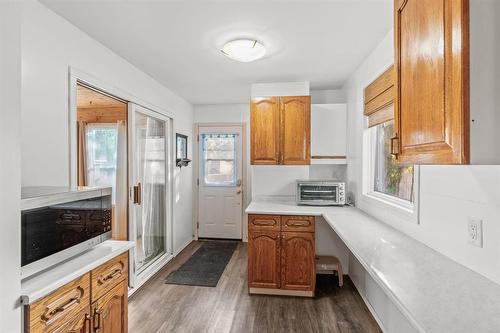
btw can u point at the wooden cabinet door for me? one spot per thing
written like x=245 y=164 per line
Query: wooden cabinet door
x=264 y=131
x=298 y=270
x=432 y=81
x=295 y=131
x=110 y=311
x=264 y=259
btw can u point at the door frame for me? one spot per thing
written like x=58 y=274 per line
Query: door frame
x=196 y=174
x=77 y=76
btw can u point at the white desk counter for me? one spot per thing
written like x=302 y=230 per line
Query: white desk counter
x=433 y=292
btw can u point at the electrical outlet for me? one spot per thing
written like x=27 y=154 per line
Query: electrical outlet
x=475 y=232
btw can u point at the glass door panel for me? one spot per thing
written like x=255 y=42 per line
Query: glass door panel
x=149 y=193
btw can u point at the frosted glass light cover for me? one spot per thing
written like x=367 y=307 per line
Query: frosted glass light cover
x=244 y=50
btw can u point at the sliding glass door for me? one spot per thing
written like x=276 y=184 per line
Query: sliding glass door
x=149 y=192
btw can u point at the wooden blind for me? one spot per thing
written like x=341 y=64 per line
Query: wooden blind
x=379 y=98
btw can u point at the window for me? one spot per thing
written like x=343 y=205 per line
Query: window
x=389 y=188
x=390 y=178
x=219 y=159
x=385 y=180
x=101 y=144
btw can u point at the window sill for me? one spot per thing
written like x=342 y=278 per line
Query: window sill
x=377 y=203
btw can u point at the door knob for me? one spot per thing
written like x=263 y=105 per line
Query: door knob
x=238 y=191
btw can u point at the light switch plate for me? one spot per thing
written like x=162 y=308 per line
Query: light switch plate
x=475 y=232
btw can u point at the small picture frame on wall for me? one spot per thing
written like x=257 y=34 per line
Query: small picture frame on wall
x=181 y=150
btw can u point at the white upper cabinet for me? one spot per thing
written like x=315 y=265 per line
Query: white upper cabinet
x=328 y=133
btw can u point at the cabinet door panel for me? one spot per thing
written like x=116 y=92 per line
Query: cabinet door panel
x=110 y=311
x=298 y=270
x=264 y=131
x=264 y=259
x=432 y=92
x=295 y=132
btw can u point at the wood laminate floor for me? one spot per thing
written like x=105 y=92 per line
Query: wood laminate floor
x=159 y=307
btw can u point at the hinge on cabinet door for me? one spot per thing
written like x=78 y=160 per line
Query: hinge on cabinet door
x=197 y=225
x=197 y=181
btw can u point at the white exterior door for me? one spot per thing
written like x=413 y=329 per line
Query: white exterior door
x=220 y=187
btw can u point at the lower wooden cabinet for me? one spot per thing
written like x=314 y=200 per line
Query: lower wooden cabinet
x=82 y=307
x=110 y=311
x=297 y=261
x=264 y=256
x=281 y=260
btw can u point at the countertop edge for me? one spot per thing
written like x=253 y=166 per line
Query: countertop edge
x=28 y=297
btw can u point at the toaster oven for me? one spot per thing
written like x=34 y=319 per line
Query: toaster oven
x=321 y=193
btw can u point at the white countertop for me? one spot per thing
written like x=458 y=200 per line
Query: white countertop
x=434 y=292
x=40 y=285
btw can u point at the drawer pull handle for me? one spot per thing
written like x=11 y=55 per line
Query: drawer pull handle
x=298 y=223
x=52 y=314
x=117 y=272
x=263 y=223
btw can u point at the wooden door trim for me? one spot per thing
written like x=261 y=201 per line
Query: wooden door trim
x=455 y=146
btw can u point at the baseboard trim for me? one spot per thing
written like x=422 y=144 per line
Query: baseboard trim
x=189 y=241
x=280 y=292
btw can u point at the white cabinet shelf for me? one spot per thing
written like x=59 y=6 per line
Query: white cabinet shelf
x=328 y=133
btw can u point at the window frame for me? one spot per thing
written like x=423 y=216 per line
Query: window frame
x=409 y=211
x=203 y=162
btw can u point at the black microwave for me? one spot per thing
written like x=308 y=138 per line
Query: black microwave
x=57 y=224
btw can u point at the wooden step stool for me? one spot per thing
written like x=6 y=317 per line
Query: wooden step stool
x=330 y=263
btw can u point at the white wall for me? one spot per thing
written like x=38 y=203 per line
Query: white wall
x=329 y=96
x=10 y=165
x=485 y=81
x=49 y=46
x=448 y=194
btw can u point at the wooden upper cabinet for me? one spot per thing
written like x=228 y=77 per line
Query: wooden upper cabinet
x=432 y=81
x=295 y=130
x=264 y=130
x=280 y=130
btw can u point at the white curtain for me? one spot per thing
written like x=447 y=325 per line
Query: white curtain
x=153 y=190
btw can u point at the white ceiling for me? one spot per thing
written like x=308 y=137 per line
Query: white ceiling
x=178 y=42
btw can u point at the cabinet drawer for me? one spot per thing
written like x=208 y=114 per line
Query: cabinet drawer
x=264 y=222
x=54 y=310
x=297 y=223
x=109 y=275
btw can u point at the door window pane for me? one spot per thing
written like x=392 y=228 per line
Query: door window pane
x=391 y=178
x=219 y=159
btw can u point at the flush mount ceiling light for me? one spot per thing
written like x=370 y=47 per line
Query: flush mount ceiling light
x=244 y=50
